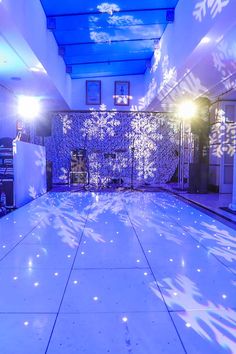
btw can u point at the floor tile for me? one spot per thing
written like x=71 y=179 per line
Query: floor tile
x=112 y=287
x=31 y=290
x=25 y=333
x=208 y=331
x=36 y=256
x=112 y=254
x=196 y=291
x=111 y=290
x=137 y=333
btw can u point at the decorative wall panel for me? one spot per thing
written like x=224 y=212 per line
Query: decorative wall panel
x=125 y=148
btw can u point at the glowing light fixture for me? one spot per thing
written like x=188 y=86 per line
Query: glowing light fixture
x=38 y=69
x=187 y=110
x=205 y=40
x=28 y=107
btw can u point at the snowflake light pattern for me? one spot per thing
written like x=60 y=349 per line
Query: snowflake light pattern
x=100 y=124
x=224 y=61
x=32 y=192
x=64 y=175
x=156 y=57
x=41 y=160
x=66 y=123
x=214 y=6
x=214 y=323
x=223 y=136
x=108 y=138
x=145 y=141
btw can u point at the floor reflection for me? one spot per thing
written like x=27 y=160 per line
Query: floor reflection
x=145 y=266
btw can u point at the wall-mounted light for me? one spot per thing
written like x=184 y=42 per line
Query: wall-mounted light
x=187 y=109
x=205 y=40
x=38 y=69
x=28 y=107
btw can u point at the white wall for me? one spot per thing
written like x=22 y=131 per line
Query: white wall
x=29 y=163
x=222 y=143
x=24 y=25
x=8 y=116
x=78 y=99
x=186 y=65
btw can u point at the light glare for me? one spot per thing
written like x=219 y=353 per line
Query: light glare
x=187 y=109
x=28 y=107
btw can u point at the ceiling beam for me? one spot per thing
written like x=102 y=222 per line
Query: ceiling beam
x=110 y=42
x=171 y=9
x=110 y=61
x=52 y=25
x=78 y=76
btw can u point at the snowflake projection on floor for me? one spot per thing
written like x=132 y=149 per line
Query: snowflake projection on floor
x=100 y=124
x=66 y=215
x=204 y=6
x=140 y=208
x=214 y=323
x=221 y=242
x=223 y=136
x=40 y=159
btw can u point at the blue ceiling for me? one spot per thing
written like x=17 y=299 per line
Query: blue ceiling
x=98 y=39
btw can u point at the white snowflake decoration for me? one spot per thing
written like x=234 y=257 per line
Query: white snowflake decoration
x=119 y=163
x=223 y=139
x=214 y=6
x=169 y=75
x=214 y=323
x=156 y=57
x=146 y=169
x=32 y=192
x=224 y=60
x=222 y=241
x=105 y=7
x=151 y=93
x=191 y=85
x=100 y=124
x=66 y=123
x=143 y=142
x=64 y=174
x=41 y=160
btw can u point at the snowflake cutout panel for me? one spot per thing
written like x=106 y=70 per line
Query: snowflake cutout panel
x=130 y=147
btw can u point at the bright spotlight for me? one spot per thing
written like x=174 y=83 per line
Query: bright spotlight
x=28 y=107
x=187 y=110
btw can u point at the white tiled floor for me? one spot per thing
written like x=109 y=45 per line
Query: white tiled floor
x=131 y=272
